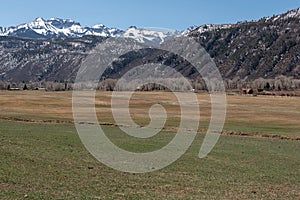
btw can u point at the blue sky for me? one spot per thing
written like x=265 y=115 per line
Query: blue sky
x=173 y=14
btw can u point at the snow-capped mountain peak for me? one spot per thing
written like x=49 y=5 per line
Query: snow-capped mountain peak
x=55 y=27
x=98 y=26
x=39 y=19
x=62 y=23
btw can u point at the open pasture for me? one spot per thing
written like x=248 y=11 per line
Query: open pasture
x=42 y=156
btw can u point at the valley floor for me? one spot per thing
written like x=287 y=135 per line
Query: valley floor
x=42 y=156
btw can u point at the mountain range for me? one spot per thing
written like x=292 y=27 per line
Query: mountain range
x=55 y=28
x=52 y=50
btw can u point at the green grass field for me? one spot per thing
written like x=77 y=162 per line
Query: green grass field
x=46 y=160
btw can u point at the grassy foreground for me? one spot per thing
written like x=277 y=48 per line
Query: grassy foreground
x=47 y=161
x=44 y=158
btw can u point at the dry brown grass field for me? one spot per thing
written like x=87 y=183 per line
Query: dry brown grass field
x=248 y=114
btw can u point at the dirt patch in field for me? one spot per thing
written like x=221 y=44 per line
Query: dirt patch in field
x=47 y=121
x=4 y=185
x=261 y=135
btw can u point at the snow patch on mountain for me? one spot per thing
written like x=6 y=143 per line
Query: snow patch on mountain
x=211 y=27
x=293 y=14
x=149 y=35
x=290 y=14
x=188 y=30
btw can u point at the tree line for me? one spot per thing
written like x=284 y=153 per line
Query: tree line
x=280 y=83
